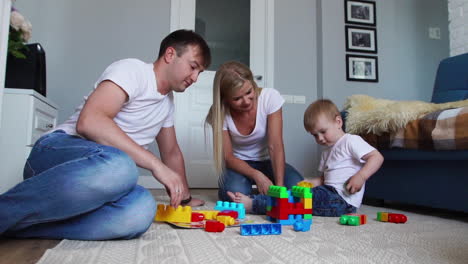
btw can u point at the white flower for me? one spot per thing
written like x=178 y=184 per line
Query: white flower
x=16 y=20
x=26 y=30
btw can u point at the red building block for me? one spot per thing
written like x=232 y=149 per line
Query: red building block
x=197 y=217
x=230 y=213
x=214 y=226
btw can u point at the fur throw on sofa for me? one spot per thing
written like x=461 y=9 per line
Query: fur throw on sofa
x=370 y=115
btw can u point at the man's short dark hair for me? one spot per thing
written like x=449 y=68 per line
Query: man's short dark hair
x=182 y=38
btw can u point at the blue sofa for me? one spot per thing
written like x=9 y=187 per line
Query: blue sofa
x=437 y=179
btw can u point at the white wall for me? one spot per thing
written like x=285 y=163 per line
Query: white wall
x=458 y=17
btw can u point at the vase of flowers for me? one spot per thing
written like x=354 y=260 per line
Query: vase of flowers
x=19 y=34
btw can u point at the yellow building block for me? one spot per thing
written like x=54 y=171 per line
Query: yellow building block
x=226 y=220
x=167 y=213
x=305 y=184
x=307 y=203
x=382 y=216
x=209 y=214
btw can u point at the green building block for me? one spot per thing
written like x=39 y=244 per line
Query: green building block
x=350 y=220
x=278 y=191
x=301 y=192
x=307 y=216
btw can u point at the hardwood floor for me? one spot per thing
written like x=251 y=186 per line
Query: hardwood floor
x=24 y=251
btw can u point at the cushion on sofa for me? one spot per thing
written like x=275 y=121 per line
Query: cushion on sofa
x=451 y=83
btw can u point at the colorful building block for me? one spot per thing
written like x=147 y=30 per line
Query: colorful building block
x=209 y=214
x=238 y=207
x=305 y=184
x=197 y=217
x=226 y=220
x=230 y=213
x=391 y=217
x=260 y=229
x=353 y=219
x=278 y=191
x=167 y=213
x=214 y=226
x=303 y=225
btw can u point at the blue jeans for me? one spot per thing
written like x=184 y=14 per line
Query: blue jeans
x=76 y=189
x=235 y=182
x=327 y=202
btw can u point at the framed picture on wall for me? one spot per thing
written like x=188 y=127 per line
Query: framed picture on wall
x=361 y=39
x=362 y=68
x=360 y=12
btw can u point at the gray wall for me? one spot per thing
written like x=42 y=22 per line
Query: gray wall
x=82 y=37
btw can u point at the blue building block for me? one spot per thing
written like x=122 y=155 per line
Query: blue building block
x=302 y=225
x=238 y=207
x=260 y=229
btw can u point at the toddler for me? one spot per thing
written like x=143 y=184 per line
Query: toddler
x=346 y=163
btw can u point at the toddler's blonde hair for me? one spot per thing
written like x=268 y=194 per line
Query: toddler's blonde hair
x=321 y=107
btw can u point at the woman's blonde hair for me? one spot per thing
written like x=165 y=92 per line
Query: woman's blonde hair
x=229 y=78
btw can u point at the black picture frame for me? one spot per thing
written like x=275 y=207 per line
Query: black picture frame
x=361 y=39
x=361 y=68
x=360 y=12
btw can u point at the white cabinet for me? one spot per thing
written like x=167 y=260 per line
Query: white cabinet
x=26 y=115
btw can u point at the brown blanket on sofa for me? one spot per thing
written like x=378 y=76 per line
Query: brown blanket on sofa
x=439 y=130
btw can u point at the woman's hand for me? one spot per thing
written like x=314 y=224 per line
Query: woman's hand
x=263 y=183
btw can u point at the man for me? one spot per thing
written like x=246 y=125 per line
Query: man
x=80 y=179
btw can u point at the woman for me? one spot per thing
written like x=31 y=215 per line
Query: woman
x=248 y=146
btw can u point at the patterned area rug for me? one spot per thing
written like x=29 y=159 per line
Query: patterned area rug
x=423 y=239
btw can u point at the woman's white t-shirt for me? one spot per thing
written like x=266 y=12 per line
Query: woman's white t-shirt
x=255 y=145
x=341 y=161
x=145 y=112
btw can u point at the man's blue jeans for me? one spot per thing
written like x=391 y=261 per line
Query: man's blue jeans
x=235 y=182
x=327 y=202
x=76 y=189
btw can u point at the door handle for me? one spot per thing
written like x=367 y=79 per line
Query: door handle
x=258 y=77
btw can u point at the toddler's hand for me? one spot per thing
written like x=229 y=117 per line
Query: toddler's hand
x=355 y=183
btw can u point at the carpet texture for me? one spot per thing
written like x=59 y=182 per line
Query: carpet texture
x=425 y=238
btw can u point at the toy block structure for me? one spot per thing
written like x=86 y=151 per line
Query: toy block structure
x=167 y=213
x=353 y=219
x=290 y=207
x=238 y=207
x=391 y=217
x=260 y=229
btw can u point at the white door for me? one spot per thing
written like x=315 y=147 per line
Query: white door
x=215 y=21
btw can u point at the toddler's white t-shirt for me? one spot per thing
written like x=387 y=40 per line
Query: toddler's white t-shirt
x=255 y=145
x=341 y=161
x=145 y=112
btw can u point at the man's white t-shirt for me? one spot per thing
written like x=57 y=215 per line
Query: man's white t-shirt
x=341 y=161
x=145 y=112
x=255 y=145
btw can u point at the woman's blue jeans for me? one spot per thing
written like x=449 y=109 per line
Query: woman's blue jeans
x=76 y=189
x=235 y=182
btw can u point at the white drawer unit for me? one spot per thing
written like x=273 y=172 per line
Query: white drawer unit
x=26 y=115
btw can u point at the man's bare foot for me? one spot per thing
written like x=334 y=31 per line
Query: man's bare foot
x=243 y=199
x=196 y=202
